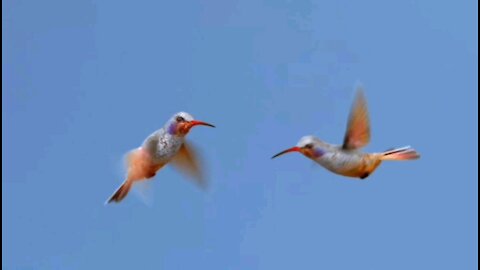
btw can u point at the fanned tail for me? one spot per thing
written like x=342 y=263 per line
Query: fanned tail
x=403 y=153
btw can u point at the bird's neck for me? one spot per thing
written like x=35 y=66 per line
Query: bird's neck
x=318 y=152
x=314 y=153
x=172 y=129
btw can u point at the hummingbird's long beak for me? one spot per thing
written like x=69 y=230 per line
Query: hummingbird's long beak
x=185 y=127
x=293 y=149
x=199 y=123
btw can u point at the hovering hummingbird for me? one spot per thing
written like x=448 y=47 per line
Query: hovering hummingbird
x=166 y=145
x=347 y=159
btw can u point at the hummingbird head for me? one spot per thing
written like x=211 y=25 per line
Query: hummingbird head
x=309 y=146
x=181 y=123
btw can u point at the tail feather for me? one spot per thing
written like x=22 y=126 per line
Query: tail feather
x=120 y=193
x=140 y=167
x=403 y=153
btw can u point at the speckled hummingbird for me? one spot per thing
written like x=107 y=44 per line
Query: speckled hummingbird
x=164 y=146
x=347 y=159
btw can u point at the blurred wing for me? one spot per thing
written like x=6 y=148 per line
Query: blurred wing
x=143 y=189
x=187 y=162
x=358 y=127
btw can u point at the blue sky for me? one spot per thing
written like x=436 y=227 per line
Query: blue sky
x=83 y=82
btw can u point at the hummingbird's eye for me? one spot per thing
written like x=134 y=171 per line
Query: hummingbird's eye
x=309 y=146
x=180 y=119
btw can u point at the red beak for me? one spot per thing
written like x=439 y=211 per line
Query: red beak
x=200 y=123
x=293 y=149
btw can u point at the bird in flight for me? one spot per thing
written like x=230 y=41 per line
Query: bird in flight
x=166 y=145
x=347 y=159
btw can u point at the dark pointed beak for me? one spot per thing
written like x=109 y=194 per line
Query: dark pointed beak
x=293 y=149
x=200 y=123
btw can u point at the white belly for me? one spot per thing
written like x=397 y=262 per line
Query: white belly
x=353 y=164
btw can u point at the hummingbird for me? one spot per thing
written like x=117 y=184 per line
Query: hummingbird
x=348 y=159
x=164 y=146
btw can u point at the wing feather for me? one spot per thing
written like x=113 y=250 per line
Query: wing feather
x=358 y=127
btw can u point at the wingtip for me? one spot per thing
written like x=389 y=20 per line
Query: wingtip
x=359 y=87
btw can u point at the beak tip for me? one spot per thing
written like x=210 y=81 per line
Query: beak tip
x=293 y=149
x=196 y=122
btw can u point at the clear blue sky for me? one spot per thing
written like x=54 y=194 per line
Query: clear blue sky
x=83 y=82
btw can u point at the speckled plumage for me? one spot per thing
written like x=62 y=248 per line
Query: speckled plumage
x=164 y=146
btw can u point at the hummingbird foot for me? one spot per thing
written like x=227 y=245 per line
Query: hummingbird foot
x=365 y=175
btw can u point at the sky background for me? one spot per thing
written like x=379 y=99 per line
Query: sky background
x=84 y=82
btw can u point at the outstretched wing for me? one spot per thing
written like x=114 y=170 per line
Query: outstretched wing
x=187 y=162
x=358 y=127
